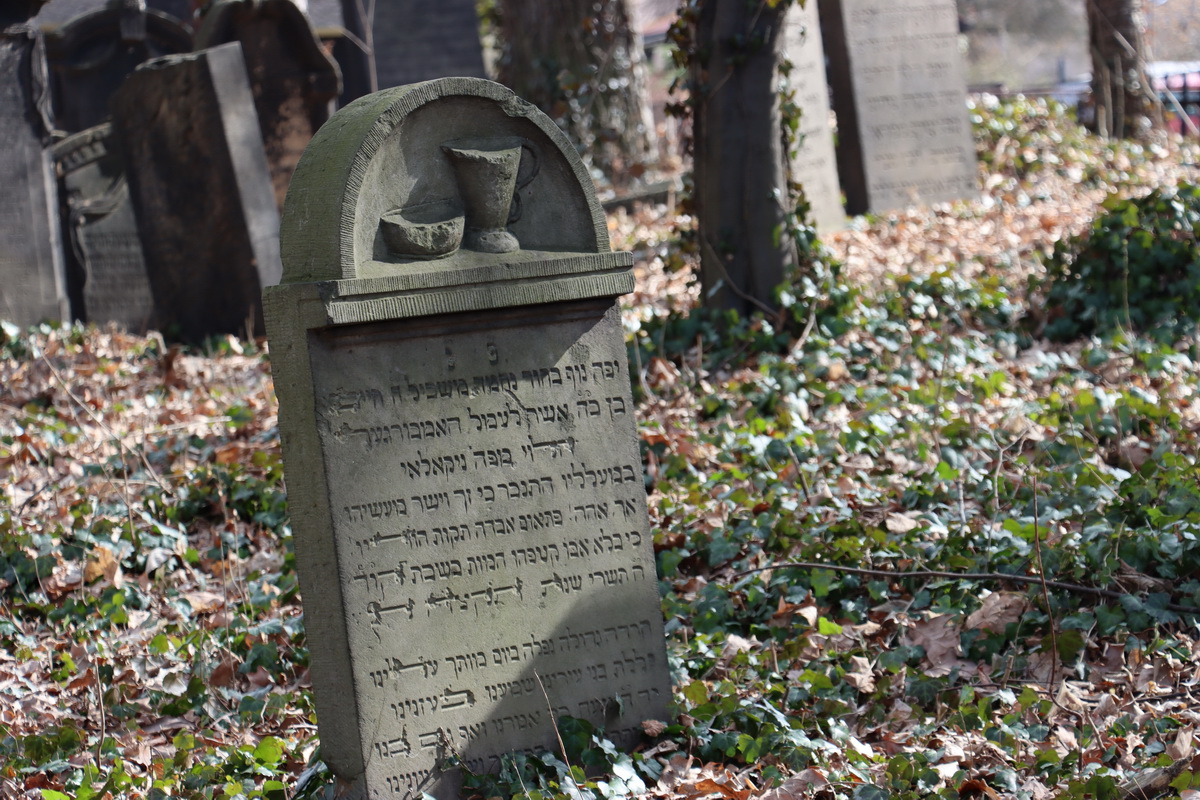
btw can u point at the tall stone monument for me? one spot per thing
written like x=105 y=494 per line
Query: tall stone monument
x=293 y=81
x=189 y=138
x=104 y=251
x=91 y=55
x=32 y=278
x=898 y=88
x=461 y=455
x=814 y=165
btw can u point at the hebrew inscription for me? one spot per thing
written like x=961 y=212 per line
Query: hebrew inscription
x=487 y=482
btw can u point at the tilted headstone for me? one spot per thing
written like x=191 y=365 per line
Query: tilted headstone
x=188 y=136
x=814 y=165
x=420 y=40
x=898 y=88
x=32 y=279
x=104 y=250
x=91 y=55
x=293 y=81
x=463 y=472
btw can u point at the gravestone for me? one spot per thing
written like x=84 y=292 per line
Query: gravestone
x=898 y=89
x=32 y=279
x=459 y=441
x=91 y=55
x=104 y=252
x=814 y=165
x=420 y=40
x=293 y=81
x=188 y=135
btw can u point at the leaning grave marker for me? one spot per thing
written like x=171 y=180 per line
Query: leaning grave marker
x=188 y=135
x=900 y=96
x=458 y=434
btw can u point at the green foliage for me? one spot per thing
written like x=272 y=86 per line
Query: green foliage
x=1137 y=268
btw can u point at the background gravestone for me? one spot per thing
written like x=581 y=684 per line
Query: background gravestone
x=293 y=81
x=814 y=165
x=32 y=280
x=104 y=251
x=898 y=89
x=91 y=55
x=461 y=454
x=419 y=40
x=188 y=136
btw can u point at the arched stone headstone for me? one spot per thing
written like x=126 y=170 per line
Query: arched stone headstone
x=462 y=463
x=293 y=81
x=92 y=54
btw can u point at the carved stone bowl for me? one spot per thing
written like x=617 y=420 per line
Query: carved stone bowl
x=428 y=230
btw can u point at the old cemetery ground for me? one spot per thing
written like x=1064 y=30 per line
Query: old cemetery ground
x=996 y=533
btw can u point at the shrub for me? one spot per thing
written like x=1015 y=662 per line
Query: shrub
x=1137 y=267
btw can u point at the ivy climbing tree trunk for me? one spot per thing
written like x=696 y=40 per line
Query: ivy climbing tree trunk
x=580 y=61
x=1126 y=106
x=740 y=169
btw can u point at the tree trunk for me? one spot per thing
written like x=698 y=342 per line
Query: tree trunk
x=580 y=61
x=1126 y=106
x=741 y=191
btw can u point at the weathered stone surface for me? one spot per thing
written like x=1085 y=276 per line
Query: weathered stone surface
x=814 y=165
x=461 y=454
x=32 y=280
x=293 y=81
x=91 y=54
x=104 y=250
x=900 y=96
x=188 y=136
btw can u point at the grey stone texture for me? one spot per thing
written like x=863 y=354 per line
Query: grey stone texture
x=459 y=442
x=32 y=276
x=814 y=165
x=92 y=54
x=189 y=138
x=419 y=40
x=106 y=269
x=900 y=95
x=293 y=80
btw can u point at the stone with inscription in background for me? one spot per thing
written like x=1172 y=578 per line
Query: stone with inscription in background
x=91 y=54
x=459 y=441
x=104 y=252
x=900 y=94
x=293 y=80
x=32 y=278
x=814 y=165
x=188 y=136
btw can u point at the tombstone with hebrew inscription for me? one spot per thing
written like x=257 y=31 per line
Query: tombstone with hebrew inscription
x=900 y=95
x=463 y=471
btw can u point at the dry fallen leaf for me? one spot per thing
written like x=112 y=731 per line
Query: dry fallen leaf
x=998 y=610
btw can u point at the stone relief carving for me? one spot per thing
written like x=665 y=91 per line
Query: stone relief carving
x=487 y=174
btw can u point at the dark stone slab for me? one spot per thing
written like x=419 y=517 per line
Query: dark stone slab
x=293 y=81
x=421 y=40
x=104 y=250
x=188 y=135
x=898 y=89
x=32 y=279
x=814 y=164
x=91 y=54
